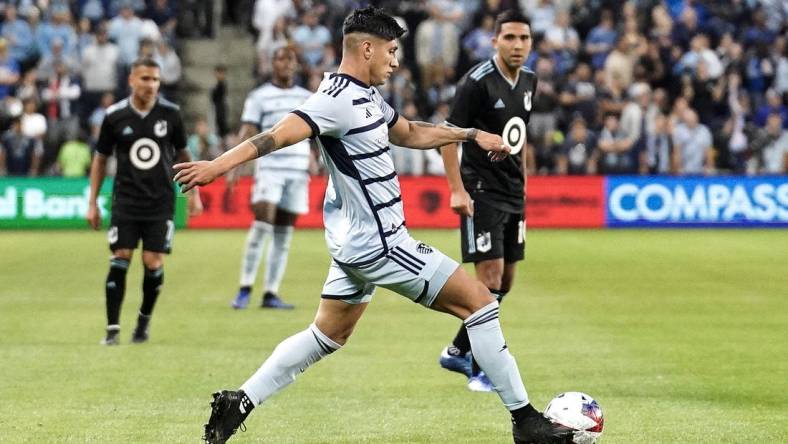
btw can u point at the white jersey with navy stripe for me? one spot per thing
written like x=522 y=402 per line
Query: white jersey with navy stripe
x=362 y=211
x=263 y=108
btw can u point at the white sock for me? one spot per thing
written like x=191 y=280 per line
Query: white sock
x=253 y=251
x=490 y=351
x=277 y=257
x=291 y=357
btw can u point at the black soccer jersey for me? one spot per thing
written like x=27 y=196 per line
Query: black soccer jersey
x=487 y=100
x=145 y=147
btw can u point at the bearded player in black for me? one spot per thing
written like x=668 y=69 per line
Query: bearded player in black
x=488 y=193
x=146 y=135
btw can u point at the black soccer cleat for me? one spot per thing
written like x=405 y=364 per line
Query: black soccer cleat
x=112 y=337
x=272 y=300
x=141 y=334
x=228 y=411
x=536 y=429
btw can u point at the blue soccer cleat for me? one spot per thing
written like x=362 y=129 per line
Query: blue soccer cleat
x=241 y=299
x=480 y=383
x=455 y=362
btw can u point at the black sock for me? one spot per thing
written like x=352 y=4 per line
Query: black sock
x=246 y=288
x=115 y=288
x=461 y=341
x=151 y=284
x=524 y=412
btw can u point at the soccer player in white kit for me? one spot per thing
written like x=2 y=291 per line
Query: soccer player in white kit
x=281 y=182
x=365 y=230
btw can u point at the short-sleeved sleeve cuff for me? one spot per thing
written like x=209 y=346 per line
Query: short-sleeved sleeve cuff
x=394 y=119
x=309 y=121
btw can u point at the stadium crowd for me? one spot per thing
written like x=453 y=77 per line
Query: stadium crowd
x=637 y=87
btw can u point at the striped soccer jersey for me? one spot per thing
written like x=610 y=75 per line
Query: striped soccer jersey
x=263 y=108
x=362 y=211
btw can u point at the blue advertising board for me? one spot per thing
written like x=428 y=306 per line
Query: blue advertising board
x=733 y=201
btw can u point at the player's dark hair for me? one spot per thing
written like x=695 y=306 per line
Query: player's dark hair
x=147 y=62
x=510 y=16
x=371 y=20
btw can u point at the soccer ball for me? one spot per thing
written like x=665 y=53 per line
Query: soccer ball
x=580 y=413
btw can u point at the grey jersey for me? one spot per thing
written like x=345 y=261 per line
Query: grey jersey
x=362 y=211
x=264 y=107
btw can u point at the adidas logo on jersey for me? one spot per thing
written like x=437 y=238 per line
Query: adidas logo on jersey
x=127 y=131
x=368 y=113
x=499 y=104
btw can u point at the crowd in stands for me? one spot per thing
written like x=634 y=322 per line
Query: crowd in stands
x=62 y=63
x=635 y=87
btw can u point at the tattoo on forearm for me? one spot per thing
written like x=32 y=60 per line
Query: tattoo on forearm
x=263 y=143
x=471 y=134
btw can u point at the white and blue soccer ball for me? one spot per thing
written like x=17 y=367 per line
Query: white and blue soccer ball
x=578 y=412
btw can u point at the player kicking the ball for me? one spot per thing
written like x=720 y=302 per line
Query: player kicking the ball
x=365 y=230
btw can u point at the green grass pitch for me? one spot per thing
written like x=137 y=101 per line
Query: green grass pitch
x=682 y=336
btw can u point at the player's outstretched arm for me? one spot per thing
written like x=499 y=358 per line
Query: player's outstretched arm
x=288 y=131
x=423 y=135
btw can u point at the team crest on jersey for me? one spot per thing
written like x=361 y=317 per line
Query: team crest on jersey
x=423 y=248
x=527 y=100
x=483 y=242
x=160 y=128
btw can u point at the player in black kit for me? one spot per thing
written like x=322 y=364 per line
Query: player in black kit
x=488 y=193
x=146 y=135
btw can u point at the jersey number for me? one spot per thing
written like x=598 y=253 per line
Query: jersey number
x=145 y=153
x=514 y=134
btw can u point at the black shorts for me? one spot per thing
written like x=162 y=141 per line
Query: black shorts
x=492 y=234
x=156 y=235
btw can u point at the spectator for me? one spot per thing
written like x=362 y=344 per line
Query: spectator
x=99 y=69
x=579 y=96
x=279 y=37
x=126 y=30
x=543 y=119
x=770 y=148
x=615 y=148
x=564 y=41
x=73 y=159
x=164 y=15
x=633 y=116
x=601 y=40
x=85 y=36
x=578 y=154
x=203 y=144
x=219 y=100
x=171 y=72
x=699 y=52
x=19 y=155
x=774 y=105
x=311 y=37
x=60 y=30
x=34 y=124
x=478 y=43
x=693 y=153
x=542 y=17
x=658 y=147
x=9 y=70
x=437 y=44
x=19 y=37
x=93 y=10
x=266 y=14
x=28 y=87
x=57 y=55
x=97 y=117
x=781 y=79
x=60 y=97
x=620 y=64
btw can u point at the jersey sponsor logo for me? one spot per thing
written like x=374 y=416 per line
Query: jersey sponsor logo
x=527 y=100
x=499 y=104
x=514 y=134
x=145 y=153
x=483 y=242
x=127 y=131
x=423 y=248
x=160 y=128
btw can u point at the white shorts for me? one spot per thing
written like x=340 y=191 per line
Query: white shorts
x=412 y=268
x=289 y=192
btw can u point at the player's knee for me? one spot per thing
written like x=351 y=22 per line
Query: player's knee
x=482 y=297
x=337 y=333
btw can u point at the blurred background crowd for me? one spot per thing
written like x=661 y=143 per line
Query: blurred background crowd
x=636 y=87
